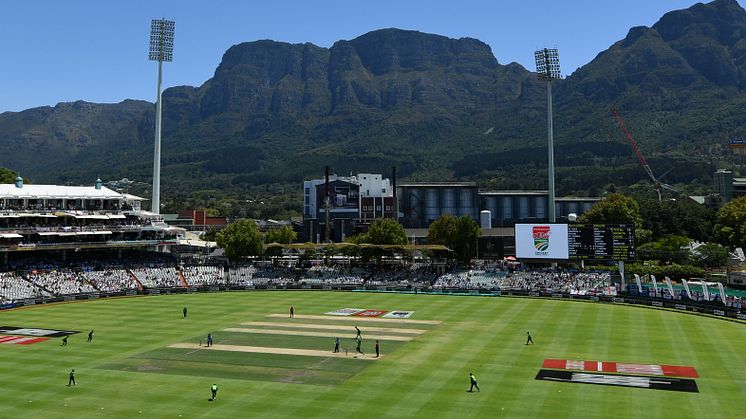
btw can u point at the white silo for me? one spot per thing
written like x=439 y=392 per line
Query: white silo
x=485 y=219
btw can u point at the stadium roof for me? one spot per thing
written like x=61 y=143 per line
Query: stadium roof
x=436 y=184
x=10 y=191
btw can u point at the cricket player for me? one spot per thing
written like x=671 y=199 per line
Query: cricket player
x=214 y=390
x=378 y=348
x=184 y=310
x=336 y=345
x=473 y=381
x=529 y=339
x=359 y=344
x=64 y=341
x=71 y=381
x=209 y=339
x=292 y=312
x=90 y=336
x=359 y=334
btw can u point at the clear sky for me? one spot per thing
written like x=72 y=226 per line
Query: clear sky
x=96 y=50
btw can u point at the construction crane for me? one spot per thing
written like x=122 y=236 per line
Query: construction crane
x=643 y=162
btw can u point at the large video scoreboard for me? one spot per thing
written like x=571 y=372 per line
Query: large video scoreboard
x=601 y=242
x=591 y=242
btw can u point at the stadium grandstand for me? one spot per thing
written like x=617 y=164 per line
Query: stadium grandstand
x=52 y=218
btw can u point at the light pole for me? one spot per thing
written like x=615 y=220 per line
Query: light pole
x=548 y=68
x=161 y=49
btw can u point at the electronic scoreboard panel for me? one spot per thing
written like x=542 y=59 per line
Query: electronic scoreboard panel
x=614 y=242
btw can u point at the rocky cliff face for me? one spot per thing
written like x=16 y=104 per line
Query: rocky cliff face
x=434 y=106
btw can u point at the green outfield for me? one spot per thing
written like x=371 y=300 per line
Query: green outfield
x=147 y=361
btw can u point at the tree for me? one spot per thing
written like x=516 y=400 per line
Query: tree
x=7 y=175
x=682 y=217
x=668 y=249
x=459 y=234
x=283 y=235
x=616 y=208
x=711 y=255
x=386 y=231
x=240 y=239
x=731 y=223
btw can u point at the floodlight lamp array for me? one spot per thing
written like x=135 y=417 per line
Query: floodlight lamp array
x=547 y=64
x=161 y=40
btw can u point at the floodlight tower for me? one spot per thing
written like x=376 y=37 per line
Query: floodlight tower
x=161 y=49
x=548 y=68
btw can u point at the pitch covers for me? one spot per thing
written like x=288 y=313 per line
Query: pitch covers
x=650 y=376
x=621 y=380
x=362 y=312
x=621 y=367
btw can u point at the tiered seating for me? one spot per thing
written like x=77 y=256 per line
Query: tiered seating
x=62 y=282
x=13 y=288
x=566 y=282
x=158 y=277
x=242 y=276
x=267 y=276
x=197 y=276
x=111 y=280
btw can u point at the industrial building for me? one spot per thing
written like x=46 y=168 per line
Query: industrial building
x=355 y=201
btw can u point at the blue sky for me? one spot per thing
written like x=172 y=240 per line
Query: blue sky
x=59 y=51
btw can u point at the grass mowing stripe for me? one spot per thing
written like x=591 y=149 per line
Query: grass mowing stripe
x=346 y=328
x=360 y=319
x=561 y=316
x=315 y=334
x=295 y=341
x=426 y=371
x=429 y=389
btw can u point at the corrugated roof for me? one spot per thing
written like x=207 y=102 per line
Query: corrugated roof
x=514 y=192
x=9 y=190
x=436 y=184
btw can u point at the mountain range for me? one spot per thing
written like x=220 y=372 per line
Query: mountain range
x=438 y=108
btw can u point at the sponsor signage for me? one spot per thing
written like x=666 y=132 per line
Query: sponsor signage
x=371 y=313
x=680 y=306
x=398 y=314
x=657 y=303
x=541 y=241
x=130 y=292
x=741 y=316
x=617 y=300
x=596 y=299
x=20 y=340
x=30 y=331
x=154 y=292
x=621 y=367
x=653 y=383
x=719 y=312
x=345 y=311
x=361 y=312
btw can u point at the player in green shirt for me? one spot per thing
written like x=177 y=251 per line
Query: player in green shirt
x=473 y=381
